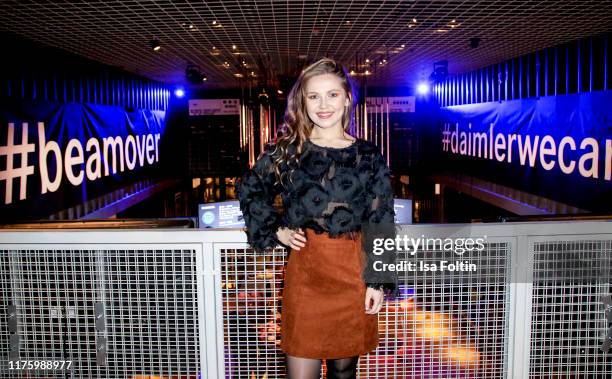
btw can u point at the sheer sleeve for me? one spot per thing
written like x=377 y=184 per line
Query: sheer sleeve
x=256 y=193
x=380 y=223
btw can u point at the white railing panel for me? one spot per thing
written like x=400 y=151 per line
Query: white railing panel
x=194 y=302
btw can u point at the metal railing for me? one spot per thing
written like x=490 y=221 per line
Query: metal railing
x=189 y=304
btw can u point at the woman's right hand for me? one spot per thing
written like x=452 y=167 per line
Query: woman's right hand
x=294 y=239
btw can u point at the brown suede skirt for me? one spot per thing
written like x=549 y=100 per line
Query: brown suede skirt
x=323 y=305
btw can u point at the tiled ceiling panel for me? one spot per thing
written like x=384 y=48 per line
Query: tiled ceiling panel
x=234 y=42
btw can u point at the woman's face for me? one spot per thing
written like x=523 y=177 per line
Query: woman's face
x=326 y=101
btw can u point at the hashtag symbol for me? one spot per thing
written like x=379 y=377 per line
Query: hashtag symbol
x=11 y=172
x=445 y=137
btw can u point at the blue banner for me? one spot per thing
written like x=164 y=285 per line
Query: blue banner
x=557 y=147
x=54 y=156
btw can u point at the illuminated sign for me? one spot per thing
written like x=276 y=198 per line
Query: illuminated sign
x=220 y=215
x=557 y=147
x=398 y=104
x=214 y=107
x=53 y=156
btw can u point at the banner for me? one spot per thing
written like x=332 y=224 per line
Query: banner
x=558 y=147
x=54 y=156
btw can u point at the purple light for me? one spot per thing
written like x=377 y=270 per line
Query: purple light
x=179 y=92
x=423 y=88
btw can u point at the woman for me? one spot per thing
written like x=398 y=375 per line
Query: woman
x=331 y=185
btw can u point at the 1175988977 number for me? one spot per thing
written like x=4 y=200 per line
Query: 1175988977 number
x=39 y=365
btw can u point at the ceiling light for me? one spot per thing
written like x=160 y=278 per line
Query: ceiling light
x=441 y=30
x=402 y=46
x=367 y=72
x=279 y=92
x=155 y=45
x=238 y=75
x=214 y=22
x=204 y=78
x=414 y=20
x=190 y=26
x=367 y=60
x=179 y=92
x=348 y=22
x=352 y=72
x=233 y=47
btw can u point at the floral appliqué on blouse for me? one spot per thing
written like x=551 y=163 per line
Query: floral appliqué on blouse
x=333 y=190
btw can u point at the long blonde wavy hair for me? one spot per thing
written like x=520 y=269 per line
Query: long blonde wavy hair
x=297 y=125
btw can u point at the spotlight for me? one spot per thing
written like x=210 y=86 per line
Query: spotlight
x=474 y=42
x=155 y=45
x=423 y=88
x=193 y=74
x=440 y=71
x=179 y=92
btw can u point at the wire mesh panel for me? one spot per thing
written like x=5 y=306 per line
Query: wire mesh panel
x=33 y=295
x=112 y=313
x=568 y=323
x=446 y=324
x=152 y=313
x=251 y=289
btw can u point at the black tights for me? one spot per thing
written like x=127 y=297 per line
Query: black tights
x=306 y=368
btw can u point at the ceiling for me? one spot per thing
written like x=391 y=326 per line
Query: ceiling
x=262 y=40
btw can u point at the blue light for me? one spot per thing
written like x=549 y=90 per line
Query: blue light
x=179 y=92
x=423 y=88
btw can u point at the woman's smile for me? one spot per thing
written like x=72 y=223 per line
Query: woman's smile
x=324 y=115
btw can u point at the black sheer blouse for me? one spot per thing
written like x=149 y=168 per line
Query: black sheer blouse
x=333 y=190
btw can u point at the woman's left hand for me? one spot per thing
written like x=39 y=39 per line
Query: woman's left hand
x=376 y=297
